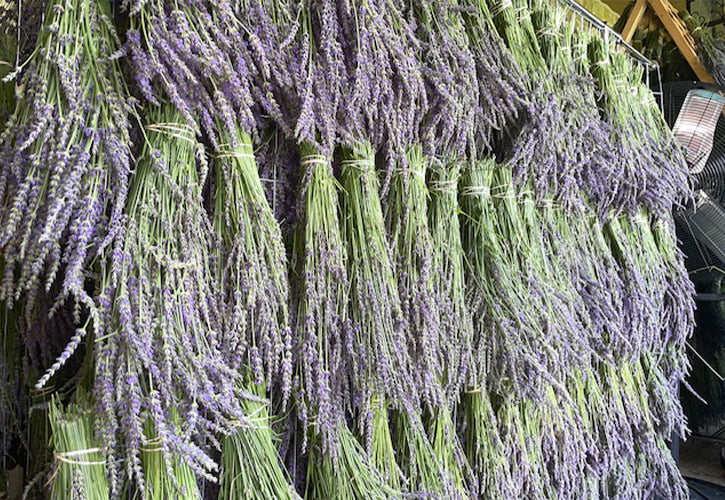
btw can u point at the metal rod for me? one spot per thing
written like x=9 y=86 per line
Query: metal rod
x=596 y=22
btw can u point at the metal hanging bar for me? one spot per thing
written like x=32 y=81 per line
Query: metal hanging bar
x=594 y=21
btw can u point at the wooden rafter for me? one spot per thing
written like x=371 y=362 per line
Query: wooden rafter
x=674 y=26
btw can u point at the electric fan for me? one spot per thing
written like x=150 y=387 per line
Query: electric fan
x=694 y=111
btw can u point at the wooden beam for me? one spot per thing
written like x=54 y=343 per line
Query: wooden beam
x=677 y=30
x=635 y=17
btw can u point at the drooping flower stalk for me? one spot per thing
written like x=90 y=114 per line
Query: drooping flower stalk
x=65 y=157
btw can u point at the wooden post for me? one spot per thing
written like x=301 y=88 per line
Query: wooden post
x=677 y=30
x=635 y=17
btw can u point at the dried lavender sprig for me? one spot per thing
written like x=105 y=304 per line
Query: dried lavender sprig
x=159 y=354
x=66 y=157
x=253 y=285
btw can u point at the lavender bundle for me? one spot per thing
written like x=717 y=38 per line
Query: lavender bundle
x=159 y=352
x=510 y=265
x=406 y=220
x=382 y=367
x=455 y=319
x=711 y=48
x=654 y=168
x=452 y=86
x=253 y=266
x=407 y=223
x=253 y=295
x=79 y=466
x=384 y=80
x=337 y=467
x=65 y=155
x=502 y=100
x=164 y=480
x=250 y=464
x=449 y=279
x=196 y=54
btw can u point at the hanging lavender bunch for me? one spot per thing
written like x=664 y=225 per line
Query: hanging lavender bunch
x=250 y=464
x=252 y=276
x=79 y=470
x=711 y=47
x=455 y=318
x=65 y=156
x=321 y=380
x=159 y=351
x=502 y=84
x=449 y=278
x=406 y=220
x=163 y=480
x=253 y=279
x=384 y=82
x=655 y=171
x=382 y=367
x=322 y=384
x=452 y=86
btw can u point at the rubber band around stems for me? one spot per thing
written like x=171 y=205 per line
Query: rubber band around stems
x=234 y=154
x=174 y=130
x=476 y=190
x=364 y=165
x=443 y=186
x=548 y=31
x=500 y=7
x=64 y=457
x=403 y=171
x=314 y=160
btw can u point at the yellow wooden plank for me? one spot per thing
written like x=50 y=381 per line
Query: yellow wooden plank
x=635 y=17
x=677 y=30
